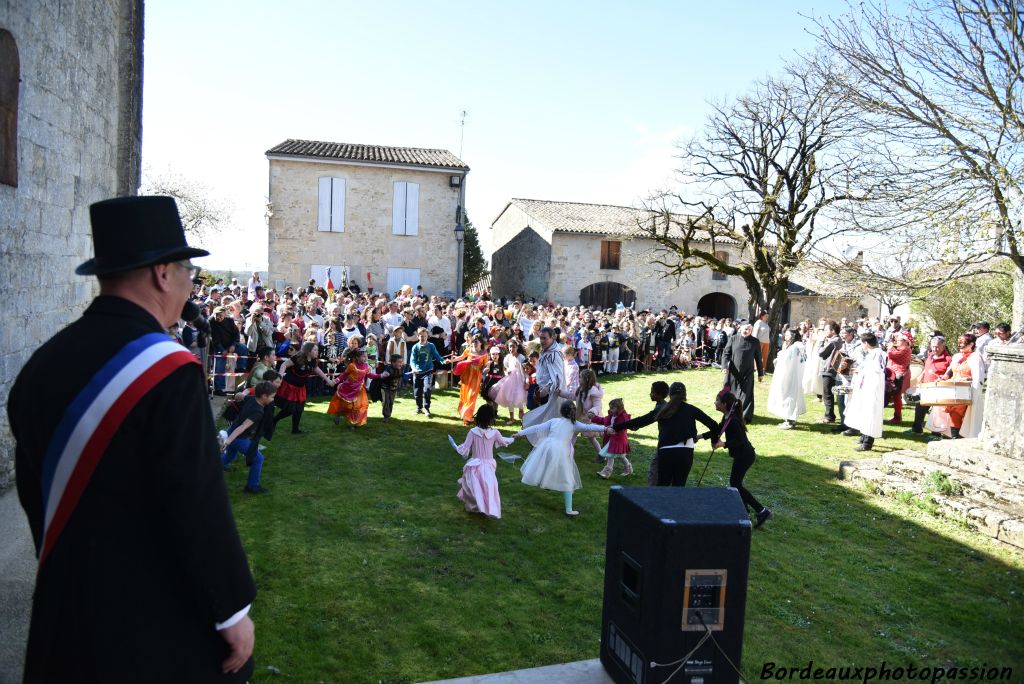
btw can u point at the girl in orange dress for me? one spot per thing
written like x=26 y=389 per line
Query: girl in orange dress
x=469 y=367
x=350 y=400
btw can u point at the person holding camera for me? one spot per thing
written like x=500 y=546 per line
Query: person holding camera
x=259 y=330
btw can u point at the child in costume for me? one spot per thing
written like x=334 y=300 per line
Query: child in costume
x=478 y=484
x=390 y=381
x=511 y=390
x=616 y=444
x=350 y=399
x=572 y=369
x=550 y=464
x=468 y=366
x=733 y=431
x=493 y=373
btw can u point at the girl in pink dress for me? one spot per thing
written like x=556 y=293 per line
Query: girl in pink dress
x=478 y=484
x=589 y=397
x=617 y=443
x=510 y=391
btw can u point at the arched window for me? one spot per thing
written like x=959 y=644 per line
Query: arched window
x=10 y=76
x=724 y=258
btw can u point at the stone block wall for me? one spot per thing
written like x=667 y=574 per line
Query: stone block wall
x=576 y=261
x=367 y=243
x=815 y=307
x=521 y=267
x=79 y=134
x=1004 y=402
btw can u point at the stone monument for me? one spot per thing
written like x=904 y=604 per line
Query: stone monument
x=984 y=475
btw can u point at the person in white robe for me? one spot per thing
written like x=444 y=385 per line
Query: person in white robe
x=812 y=383
x=551 y=383
x=867 y=401
x=786 y=394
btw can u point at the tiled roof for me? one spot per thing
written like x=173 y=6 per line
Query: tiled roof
x=601 y=219
x=379 y=154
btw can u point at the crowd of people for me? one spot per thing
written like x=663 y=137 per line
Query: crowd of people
x=858 y=368
x=531 y=360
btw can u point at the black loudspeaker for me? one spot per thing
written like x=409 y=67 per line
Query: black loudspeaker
x=675 y=570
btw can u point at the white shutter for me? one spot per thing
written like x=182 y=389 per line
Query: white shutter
x=398 y=211
x=412 y=208
x=338 y=205
x=397 y=277
x=394 y=280
x=323 y=222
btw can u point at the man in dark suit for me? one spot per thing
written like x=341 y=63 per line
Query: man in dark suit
x=742 y=356
x=142 y=576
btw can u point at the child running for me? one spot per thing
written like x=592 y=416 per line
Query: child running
x=291 y=397
x=390 y=381
x=550 y=464
x=478 y=484
x=616 y=444
x=740 y=449
x=350 y=400
x=469 y=366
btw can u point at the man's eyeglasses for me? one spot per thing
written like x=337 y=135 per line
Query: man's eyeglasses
x=193 y=270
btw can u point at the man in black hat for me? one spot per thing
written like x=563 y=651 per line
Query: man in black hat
x=141 y=575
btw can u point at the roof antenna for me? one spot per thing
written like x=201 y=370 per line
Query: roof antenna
x=462 y=130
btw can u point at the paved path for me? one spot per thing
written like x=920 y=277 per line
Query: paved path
x=580 y=672
x=17 y=579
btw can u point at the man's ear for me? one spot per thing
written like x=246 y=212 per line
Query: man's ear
x=160 y=275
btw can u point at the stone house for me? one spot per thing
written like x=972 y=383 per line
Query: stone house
x=70 y=135
x=574 y=253
x=380 y=215
x=816 y=292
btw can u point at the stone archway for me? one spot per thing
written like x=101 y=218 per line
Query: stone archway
x=716 y=305
x=607 y=295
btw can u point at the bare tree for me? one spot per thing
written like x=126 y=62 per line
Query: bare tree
x=941 y=89
x=900 y=272
x=768 y=169
x=201 y=213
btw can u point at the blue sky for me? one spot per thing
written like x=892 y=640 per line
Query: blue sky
x=571 y=101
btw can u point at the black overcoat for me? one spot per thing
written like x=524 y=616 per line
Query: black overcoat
x=150 y=560
x=741 y=358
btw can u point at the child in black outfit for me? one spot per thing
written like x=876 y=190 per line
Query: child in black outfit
x=740 y=449
x=390 y=381
x=494 y=371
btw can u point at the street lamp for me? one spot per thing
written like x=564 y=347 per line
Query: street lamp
x=460 y=236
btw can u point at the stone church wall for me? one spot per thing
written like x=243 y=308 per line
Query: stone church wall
x=78 y=141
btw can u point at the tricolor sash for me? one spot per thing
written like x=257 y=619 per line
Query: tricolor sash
x=92 y=420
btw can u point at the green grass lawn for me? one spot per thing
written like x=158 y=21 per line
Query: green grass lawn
x=369 y=569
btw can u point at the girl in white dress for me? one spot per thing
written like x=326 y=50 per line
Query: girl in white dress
x=550 y=465
x=510 y=391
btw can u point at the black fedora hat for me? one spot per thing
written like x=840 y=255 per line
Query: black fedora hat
x=132 y=232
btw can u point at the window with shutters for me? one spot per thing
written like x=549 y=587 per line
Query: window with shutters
x=10 y=76
x=331 y=212
x=610 y=254
x=724 y=258
x=406 y=209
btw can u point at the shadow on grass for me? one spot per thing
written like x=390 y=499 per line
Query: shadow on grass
x=370 y=570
